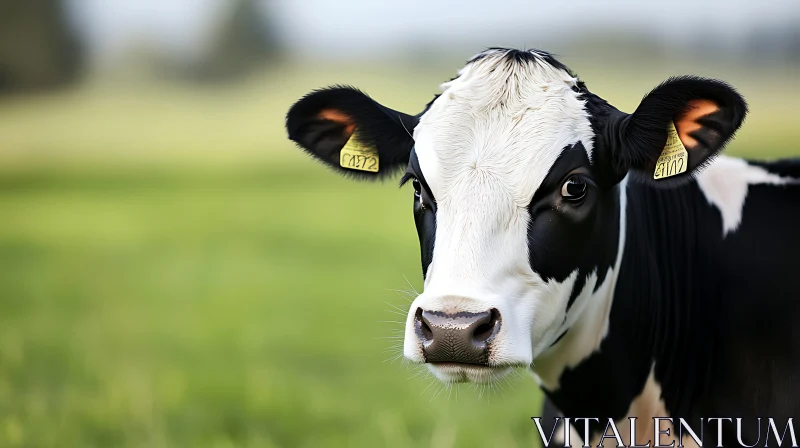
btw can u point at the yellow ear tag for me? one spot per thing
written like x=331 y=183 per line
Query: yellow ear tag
x=674 y=158
x=356 y=156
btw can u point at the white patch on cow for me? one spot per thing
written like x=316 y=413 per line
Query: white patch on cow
x=484 y=147
x=559 y=439
x=647 y=405
x=588 y=318
x=725 y=183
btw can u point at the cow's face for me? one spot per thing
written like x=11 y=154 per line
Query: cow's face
x=515 y=169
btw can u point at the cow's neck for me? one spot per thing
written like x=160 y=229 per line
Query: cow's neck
x=626 y=343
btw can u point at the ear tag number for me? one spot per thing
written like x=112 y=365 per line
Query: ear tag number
x=357 y=156
x=674 y=158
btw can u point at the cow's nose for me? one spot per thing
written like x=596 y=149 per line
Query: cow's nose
x=460 y=337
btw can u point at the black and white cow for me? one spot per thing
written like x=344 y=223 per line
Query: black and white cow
x=548 y=243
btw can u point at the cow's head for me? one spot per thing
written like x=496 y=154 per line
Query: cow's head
x=516 y=170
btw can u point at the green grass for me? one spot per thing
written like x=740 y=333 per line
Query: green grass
x=174 y=273
x=219 y=309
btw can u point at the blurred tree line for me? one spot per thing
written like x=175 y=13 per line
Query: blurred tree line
x=40 y=48
x=242 y=41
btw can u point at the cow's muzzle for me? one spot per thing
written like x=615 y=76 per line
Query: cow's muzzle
x=463 y=338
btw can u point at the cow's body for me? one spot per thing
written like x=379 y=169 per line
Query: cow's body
x=704 y=311
x=553 y=239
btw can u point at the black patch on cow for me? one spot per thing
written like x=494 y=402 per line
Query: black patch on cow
x=580 y=282
x=716 y=316
x=565 y=236
x=605 y=120
x=424 y=215
x=784 y=168
x=552 y=420
x=654 y=270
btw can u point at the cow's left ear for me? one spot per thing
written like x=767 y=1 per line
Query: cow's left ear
x=678 y=128
x=352 y=133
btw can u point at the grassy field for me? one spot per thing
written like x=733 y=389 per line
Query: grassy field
x=174 y=273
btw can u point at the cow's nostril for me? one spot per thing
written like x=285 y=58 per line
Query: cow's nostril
x=424 y=329
x=487 y=329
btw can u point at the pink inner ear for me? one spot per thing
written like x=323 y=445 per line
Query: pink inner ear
x=339 y=117
x=687 y=122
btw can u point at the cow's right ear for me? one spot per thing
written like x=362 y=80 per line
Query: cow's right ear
x=677 y=129
x=349 y=131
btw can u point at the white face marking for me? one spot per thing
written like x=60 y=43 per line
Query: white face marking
x=725 y=183
x=484 y=147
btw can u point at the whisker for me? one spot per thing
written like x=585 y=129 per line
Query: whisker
x=442 y=388
x=402 y=291
x=397 y=308
x=411 y=286
x=406 y=295
x=419 y=372
x=392 y=359
x=427 y=387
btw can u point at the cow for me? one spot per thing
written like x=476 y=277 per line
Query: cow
x=633 y=270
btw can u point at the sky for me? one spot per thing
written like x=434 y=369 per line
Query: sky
x=342 y=27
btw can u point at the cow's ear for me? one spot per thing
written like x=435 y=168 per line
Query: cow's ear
x=349 y=131
x=678 y=128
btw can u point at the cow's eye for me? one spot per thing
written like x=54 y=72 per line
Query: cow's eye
x=574 y=188
x=418 y=193
x=417 y=187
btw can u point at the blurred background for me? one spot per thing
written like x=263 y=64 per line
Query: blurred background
x=173 y=272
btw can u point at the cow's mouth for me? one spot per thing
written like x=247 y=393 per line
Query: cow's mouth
x=456 y=372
